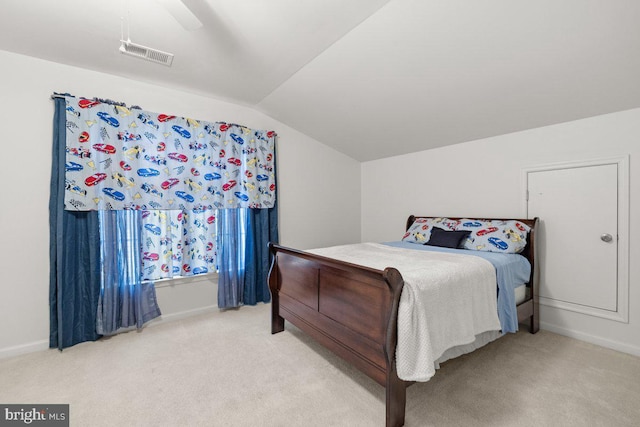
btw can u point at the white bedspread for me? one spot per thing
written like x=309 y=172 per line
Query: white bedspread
x=447 y=300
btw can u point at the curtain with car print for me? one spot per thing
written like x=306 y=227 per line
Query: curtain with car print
x=120 y=158
x=176 y=170
x=158 y=183
x=178 y=243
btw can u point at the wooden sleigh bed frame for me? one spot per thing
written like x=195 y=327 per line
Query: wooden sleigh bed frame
x=353 y=310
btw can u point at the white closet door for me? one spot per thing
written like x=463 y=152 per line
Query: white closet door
x=578 y=208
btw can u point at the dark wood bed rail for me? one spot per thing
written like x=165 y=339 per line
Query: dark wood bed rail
x=353 y=310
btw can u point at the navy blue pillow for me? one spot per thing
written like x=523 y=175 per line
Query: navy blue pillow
x=447 y=239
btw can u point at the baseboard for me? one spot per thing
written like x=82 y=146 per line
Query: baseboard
x=18 y=350
x=602 y=342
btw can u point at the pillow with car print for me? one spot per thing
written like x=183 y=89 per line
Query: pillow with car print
x=419 y=232
x=495 y=236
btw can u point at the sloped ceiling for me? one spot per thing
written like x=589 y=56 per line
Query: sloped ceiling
x=371 y=78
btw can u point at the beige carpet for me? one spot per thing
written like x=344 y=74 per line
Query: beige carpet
x=226 y=369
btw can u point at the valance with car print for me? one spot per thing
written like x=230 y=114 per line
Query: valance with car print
x=124 y=158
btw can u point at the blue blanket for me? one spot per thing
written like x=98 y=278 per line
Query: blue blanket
x=512 y=270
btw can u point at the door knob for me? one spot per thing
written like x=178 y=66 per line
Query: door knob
x=606 y=237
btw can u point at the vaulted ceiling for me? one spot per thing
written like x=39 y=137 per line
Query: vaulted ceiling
x=371 y=78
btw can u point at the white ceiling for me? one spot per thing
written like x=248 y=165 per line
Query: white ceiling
x=371 y=78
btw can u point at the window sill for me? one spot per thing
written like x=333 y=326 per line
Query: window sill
x=176 y=281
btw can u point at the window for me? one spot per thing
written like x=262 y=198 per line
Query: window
x=161 y=244
x=190 y=172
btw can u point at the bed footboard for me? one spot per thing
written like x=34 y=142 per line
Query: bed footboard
x=352 y=310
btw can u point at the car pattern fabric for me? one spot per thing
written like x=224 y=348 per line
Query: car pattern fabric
x=508 y=236
x=121 y=158
x=177 y=243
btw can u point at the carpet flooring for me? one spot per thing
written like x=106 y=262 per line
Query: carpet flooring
x=226 y=369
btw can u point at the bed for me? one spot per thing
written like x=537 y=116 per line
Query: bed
x=353 y=309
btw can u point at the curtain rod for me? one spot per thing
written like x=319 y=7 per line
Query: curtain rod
x=55 y=95
x=104 y=101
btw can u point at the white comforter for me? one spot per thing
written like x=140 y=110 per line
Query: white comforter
x=448 y=300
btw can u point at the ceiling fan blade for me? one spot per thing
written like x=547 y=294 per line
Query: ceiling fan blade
x=182 y=14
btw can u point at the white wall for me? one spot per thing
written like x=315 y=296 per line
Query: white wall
x=484 y=179
x=311 y=212
x=444 y=181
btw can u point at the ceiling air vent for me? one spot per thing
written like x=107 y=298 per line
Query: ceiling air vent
x=129 y=48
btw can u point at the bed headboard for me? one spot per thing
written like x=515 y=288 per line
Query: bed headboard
x=529 y=251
